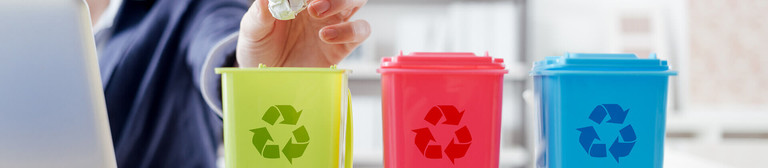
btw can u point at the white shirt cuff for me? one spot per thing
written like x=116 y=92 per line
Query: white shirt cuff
x=210 y=82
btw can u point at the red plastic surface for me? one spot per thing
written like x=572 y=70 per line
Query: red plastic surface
x=442 y=117
x=433 y=60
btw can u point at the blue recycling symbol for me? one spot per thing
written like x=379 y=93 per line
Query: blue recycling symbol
x=619 y=148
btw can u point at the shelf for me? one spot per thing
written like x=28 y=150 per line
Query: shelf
x=714 y=127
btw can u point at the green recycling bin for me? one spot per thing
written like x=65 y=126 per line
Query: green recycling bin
x=286 y=117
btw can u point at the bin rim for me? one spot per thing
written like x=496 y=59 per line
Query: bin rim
x=442 y=61
x=601 y=64
x=281 y=69
x=629 y=73
x=445 y=71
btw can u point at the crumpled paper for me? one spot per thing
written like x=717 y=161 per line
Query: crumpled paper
x=286 y=9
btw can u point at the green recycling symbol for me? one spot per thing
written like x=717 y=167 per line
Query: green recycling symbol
x=291 y=150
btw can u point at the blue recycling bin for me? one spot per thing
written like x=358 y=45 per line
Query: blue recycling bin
x=600 y=110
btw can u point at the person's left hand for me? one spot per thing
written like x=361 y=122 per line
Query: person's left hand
x=320 y=36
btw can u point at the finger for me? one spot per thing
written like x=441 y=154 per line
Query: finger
x=325 y=8
x=348 y=13
x=347 y=32
x=258 y=21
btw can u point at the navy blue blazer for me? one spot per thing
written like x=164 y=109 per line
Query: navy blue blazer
x=150 y=69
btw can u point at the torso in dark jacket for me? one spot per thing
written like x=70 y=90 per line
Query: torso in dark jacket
x=150 y=68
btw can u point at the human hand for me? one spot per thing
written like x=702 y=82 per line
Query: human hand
x=320 y=36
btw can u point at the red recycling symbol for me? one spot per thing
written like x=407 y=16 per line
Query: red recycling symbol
x=453 y=150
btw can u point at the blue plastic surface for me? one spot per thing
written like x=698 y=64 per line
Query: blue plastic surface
x=582 y=63
x=601 y=110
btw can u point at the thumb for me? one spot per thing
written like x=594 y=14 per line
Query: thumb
x=257 y=21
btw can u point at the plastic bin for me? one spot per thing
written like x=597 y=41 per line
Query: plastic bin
x=286 y=117
x=601 y=110
x=441 y=110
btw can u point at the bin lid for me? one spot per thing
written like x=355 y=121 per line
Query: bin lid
x=264 y=68
x=594 y=63
x=442 y=61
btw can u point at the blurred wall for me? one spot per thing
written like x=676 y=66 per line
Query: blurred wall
x=728 y=55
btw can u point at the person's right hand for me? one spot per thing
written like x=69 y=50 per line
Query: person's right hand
x=320 y=36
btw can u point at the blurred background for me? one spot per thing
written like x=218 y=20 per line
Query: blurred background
x=718 y=104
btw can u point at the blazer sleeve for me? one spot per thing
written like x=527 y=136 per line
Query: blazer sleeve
x=213 y=37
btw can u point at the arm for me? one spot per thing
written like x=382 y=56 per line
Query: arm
x=213 y=39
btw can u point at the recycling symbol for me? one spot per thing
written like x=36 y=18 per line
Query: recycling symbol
x=619 y=148
x=453 y=150
x=291 y=150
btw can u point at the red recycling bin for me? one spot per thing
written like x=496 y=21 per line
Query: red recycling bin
x=441 y=110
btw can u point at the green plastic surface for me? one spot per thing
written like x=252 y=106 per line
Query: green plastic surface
x=286 y=117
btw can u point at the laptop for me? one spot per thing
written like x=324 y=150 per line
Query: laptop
x=52 y=110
